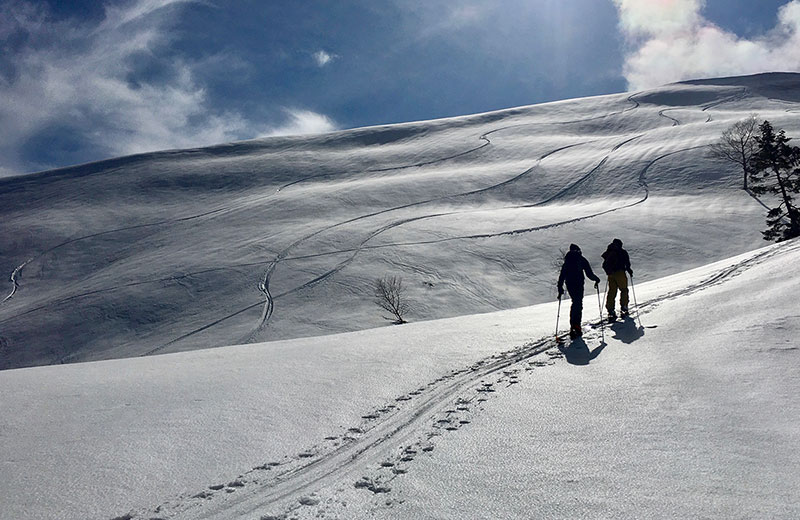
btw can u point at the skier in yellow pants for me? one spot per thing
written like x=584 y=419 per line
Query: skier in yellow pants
x=615 y=263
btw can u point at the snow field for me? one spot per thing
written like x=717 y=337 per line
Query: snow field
x=462 y=400
x=283 y=237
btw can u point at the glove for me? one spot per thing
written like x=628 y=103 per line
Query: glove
x=630 y=271
x=560 y=292
x=596 y=285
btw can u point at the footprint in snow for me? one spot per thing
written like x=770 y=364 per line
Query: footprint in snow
x=268 y=466
x=372 y=485
x=308 y=501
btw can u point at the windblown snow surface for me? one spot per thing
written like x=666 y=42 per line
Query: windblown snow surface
x=687 y=410
x=283 y=237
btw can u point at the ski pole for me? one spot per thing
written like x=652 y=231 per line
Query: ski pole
x=633 y=290
x=600 y=307
x=558 y=315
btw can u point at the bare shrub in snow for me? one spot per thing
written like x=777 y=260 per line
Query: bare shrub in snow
x=390 y=296
x=738 y=144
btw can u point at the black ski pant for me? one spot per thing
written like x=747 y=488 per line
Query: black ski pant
x=576 y=310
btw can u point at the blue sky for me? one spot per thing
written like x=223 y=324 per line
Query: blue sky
x=82 y=81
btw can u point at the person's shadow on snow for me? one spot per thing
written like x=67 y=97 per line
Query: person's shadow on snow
x=626 y=330
x=578 y=353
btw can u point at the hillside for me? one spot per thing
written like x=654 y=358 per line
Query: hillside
x=687 y=411
x=283 y=238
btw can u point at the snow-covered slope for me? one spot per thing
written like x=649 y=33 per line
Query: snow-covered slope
x=284 y=237
x=690 y=412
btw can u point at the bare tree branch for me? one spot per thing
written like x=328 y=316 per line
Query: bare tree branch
x=737 y=144
x=390 y=296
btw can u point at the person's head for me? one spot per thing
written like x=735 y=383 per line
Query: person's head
x=574 y=247
x=617 y=242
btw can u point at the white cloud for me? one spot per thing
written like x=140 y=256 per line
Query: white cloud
x=672 y=41
x=77 y=76
x=655 y=17
x=322 y=58
x=303 y=122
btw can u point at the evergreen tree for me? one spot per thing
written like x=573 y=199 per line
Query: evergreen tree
x=737 y=145
x=775 y=168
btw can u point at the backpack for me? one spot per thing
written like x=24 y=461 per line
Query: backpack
x=611 y=260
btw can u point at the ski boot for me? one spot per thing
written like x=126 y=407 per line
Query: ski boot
x=612 y=316
x=575 y=332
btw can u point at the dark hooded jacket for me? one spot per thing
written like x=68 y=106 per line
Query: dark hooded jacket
x=574 y=267
x=616 y=259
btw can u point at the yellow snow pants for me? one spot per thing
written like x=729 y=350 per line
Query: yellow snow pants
x=618 y=280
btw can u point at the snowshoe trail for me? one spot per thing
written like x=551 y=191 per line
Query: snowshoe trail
x=369 y=456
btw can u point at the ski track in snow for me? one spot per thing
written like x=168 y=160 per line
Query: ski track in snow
x=225 y=209
x=432 y=409
x=392 y=168
x=269 y=302
x=19 y=268
x=372 y=454
x=662 y=113
x=641 y=179
x=743 y=93
x=264 y=284
x=13 y=279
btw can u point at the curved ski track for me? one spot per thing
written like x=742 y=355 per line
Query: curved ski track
x=642 y=182
x=13 y=279
x=363 y=246
x=19 y=268
x=264 y=285
x=393 y=168
x=268 y=304
x=269 y=299
x=410 y=423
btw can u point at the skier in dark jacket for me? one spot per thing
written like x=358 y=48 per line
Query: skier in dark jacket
x=572 y=273
x=615 y=263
